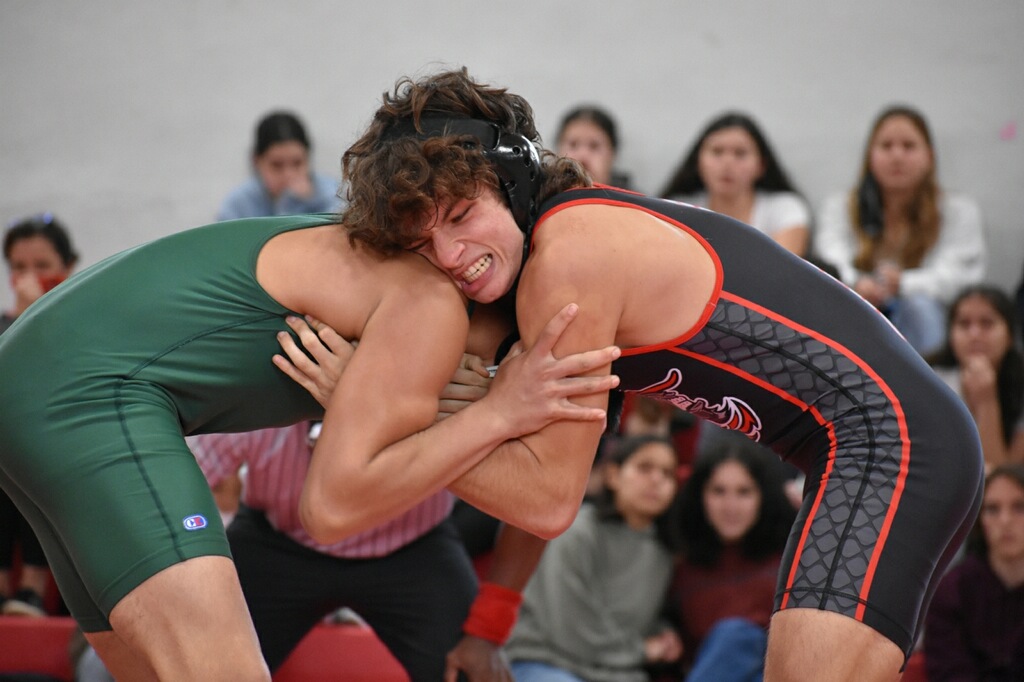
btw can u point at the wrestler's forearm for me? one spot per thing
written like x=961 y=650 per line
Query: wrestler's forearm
x=344 y=495
x=539 y=495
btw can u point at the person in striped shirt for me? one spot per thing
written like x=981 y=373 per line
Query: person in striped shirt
x=291 y=581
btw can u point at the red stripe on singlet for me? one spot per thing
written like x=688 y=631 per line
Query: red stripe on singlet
x=904 y=455
x=709 y=307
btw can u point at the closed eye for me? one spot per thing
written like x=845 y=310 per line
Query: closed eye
x=420 y=246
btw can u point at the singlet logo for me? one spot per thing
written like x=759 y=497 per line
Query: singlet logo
x=194 y=522
x=732 y=413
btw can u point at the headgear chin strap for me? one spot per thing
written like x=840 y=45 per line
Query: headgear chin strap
x=515 y=159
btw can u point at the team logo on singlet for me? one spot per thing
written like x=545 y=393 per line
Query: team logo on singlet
x=732 y=413
x=194 y=522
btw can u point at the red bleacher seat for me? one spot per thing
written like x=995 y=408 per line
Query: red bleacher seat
x=36 y=645
x=329 y=653
x=341 y=653
x=915 y=671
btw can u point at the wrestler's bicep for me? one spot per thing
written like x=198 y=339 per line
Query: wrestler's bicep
x=390 y=388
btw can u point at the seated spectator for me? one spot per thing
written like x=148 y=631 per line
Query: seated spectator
x=731 y=169
x=983 y=362
x=590 y=612
x=588 y=135
x=291 y=582
x=39 y=256
x=899 y=240
x=282 y=182
x=734 y=520
x=975 y=627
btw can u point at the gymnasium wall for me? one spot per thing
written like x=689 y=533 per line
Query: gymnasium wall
x=132 y=119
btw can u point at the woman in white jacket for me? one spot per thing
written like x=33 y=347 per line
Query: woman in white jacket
x=899 y=240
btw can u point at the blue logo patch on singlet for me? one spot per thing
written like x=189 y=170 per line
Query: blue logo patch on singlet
x=194 y=522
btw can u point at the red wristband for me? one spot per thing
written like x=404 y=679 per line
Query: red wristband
x=493 y=613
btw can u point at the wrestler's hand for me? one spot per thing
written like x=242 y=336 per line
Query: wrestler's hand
x=534 y=386
x=480 y=660
x=468 y=384
x=330 y=351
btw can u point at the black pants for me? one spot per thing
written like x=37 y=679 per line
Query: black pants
x=415 y=599
x=14 y=529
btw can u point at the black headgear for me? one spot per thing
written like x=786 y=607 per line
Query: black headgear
x=515 y=159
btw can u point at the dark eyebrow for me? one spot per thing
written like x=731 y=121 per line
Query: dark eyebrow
x=448 y=211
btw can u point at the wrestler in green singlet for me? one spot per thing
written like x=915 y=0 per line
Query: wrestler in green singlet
x=102 y=378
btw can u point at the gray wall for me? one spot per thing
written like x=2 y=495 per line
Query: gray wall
x=131 y=119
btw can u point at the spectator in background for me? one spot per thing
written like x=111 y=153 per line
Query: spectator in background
x=591 y=610
x=39 y=256
x=291 y=582
x=731 y=169
x=283 y=182
x=588 y=135
x=899 y=240
x=983 y=362
x=975 y=627
x=733 y=519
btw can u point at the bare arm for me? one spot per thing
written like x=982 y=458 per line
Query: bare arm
x=552 y=465
x=376 y=456
x=516 y=556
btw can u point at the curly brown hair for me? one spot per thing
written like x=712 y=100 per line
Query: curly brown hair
x=396 y=185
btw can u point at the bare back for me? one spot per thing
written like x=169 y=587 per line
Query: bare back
x=320 y=273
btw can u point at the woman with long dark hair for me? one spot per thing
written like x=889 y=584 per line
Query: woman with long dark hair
x=591 y=610
x=733 y=520
x=983 y=362
x=975 y=627
x=731 y=169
